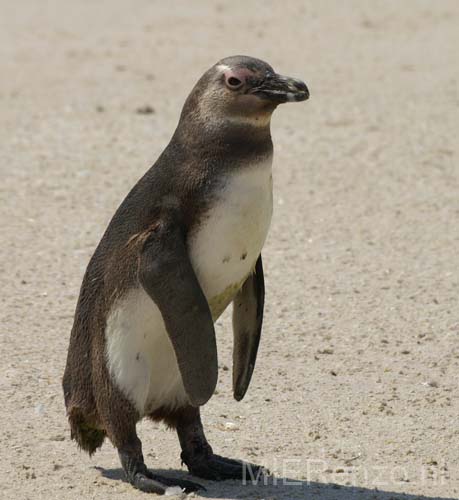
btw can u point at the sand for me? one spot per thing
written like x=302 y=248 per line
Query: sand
x=355 y=393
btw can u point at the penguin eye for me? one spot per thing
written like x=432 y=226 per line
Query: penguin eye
x=234 y=83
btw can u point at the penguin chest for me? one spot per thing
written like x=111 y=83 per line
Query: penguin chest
x=225 y=245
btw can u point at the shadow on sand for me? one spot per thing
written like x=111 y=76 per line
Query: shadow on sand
x=279 y=488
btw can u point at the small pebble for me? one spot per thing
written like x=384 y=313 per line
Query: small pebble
x=40 y=409
x=145 y=110
x=231 y=426
x=58 y=437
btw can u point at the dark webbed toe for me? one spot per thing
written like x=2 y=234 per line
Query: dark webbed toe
x=149 y=482
x=217 y=468
x=170 y=482
x=143 y=483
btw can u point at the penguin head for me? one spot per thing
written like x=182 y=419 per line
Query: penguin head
x=247 y=76
x=242 y=89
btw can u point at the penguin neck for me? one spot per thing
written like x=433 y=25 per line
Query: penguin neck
x=227 y=133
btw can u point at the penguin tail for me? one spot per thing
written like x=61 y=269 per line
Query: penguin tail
x=88 y=437
x=84 y=423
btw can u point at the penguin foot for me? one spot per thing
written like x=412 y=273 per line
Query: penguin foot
x=217 y=468
x=200 y=459
x=149 y=482
x=153 y=483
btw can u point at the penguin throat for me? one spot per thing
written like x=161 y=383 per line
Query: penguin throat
x=229 y=129
x=256 y=121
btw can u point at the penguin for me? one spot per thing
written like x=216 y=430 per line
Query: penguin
x=183 y=245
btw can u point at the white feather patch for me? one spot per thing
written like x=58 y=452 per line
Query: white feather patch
x=223 y=67
x=225 y=247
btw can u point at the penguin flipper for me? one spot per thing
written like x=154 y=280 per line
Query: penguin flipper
x=247 y=320
x=166 y=274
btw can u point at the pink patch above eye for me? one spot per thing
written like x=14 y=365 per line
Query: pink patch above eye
x=236 y=77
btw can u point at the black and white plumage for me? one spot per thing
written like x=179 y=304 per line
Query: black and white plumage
x=183 y=245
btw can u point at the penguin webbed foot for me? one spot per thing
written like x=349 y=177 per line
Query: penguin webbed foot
x=147 y=481
x=200 y=459
x=217 y=468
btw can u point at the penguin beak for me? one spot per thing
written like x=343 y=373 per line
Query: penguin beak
x=280 y=89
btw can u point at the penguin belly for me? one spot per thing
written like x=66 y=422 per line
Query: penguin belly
x=140 y=356
x=223 y=250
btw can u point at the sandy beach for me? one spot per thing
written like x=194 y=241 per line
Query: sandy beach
x=355 y=394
